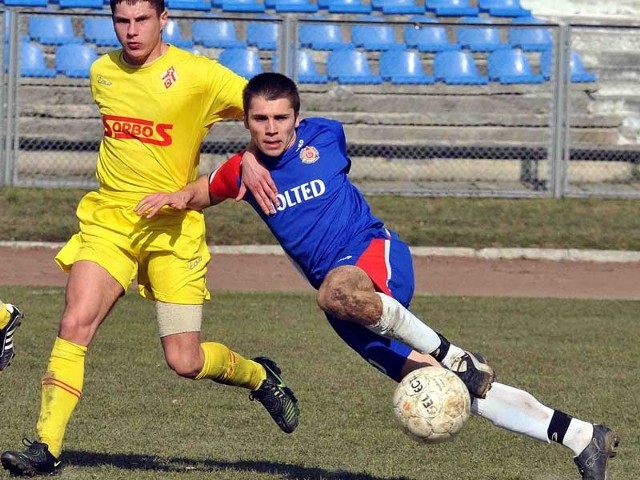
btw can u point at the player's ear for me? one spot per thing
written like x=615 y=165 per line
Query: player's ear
x=297 y=120
x=164 y=16
x=244 y=120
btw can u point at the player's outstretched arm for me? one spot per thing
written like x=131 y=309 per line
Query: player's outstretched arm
x=194 y=196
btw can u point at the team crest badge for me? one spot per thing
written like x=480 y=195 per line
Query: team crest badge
x=309 y=154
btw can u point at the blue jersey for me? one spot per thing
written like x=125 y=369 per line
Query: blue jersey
x=323 y=222
x=321 y=211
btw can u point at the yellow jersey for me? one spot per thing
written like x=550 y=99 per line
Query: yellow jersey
x=155 y=118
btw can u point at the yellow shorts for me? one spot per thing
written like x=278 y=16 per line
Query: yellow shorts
x=168 y=253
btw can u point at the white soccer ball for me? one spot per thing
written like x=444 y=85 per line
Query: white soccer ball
x=432 y=404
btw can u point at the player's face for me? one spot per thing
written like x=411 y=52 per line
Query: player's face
x=272 y=124
x=139 y=30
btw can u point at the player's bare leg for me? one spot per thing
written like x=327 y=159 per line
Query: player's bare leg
x=91 y=293
x=349 y=294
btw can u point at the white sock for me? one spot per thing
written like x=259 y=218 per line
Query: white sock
x=578 y=435
x=400 y=324
x=453 y=353
x=519 y=411
x=514 y=410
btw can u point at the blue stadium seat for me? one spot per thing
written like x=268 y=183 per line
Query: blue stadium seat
x=99 y=30
x=26 y=3
x=246 y=6
x=397 y=7
x=579 y=73
x=263 y=35
x=32 y=61
x=75 y=60
x=511 y=66
x=95 y=4
x=322 y=36
x=503 y=8
x=481 y=38
x=530 y=39
x=350 y=67
x=374 y=37
x=52 y=30
x=349 y=6
x=451 y=8
x=216 y=34
x=243 y=61
x=403 y=67
x=457 y=67
x=307 y=70
x=295 y=6
x=172 y=33
x=428 y=38
x=197 y=5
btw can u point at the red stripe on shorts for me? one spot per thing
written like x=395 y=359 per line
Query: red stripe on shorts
x=375 y=261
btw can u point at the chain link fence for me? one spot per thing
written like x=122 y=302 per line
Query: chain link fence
x=564 y=122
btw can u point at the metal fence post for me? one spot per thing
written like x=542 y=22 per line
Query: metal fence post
x=560 y=114
x=9 y=136
x=287 y=47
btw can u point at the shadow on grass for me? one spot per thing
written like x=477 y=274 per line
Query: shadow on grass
x=130 y=462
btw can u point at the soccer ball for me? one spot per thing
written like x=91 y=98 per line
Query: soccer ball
x=432 y=404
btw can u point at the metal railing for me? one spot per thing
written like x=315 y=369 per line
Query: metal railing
x=555 y=138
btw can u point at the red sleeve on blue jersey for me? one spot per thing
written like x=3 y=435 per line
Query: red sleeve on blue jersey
x=224 y=182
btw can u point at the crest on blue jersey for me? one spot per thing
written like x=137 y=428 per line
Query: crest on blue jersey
x=309 y=154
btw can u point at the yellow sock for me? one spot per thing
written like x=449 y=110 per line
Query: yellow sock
x=4 y=315
x=61 y=391
x=225 y=366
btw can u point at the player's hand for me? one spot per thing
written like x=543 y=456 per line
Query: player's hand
x=257 y=179
x=150 y=205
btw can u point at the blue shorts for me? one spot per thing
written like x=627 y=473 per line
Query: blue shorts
x=388 y=262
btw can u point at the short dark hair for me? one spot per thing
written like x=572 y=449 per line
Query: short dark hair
x=158 y=5
x=271 y=86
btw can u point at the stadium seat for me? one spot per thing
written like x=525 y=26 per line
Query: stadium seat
x=451 y=8
x=216 y=34
x=263 y=35
x=26 y=3
x=579 y=74
x=428 y=38
x=75 y=60
x=397 y=7
x=403 y=67
x=511 y=66
x=52 y=30
x=322 y=36
x=32 y=61
x=295 y=6
x=99 y=30
x=172 y=34
x=350 y=67
x=95 y=4
x=503 y=8
x=349 y=6
x=307 y=71
x=245 y=6
x=374 y=37
x=480 y=38
x=197 y=5
x=243 y=61
x=457 y=68
x=530 y=39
